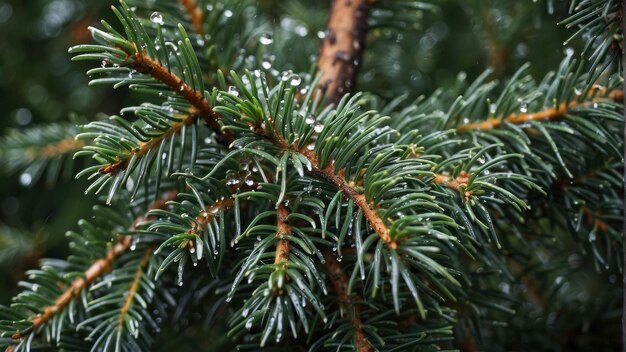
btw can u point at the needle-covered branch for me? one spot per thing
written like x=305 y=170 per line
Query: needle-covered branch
x=553 y=113
x=90 y=275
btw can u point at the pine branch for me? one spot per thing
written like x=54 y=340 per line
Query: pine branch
x=341 y=52
x=340 y=282
x=196 y=15
x=553 y=113
x=39 y=150
x=93 y=272
x=146 y=147
x=340 y=182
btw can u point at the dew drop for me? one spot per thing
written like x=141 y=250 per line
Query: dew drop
x=318 y=127
x=156 y=17
x=266 y=39
x=481 y=159
x=228 y=13
x=266 y=63
x=523 y=107
x=26 y=179
x=310 y=119
x=321 y=34
x=295 y=80
x=233 y=91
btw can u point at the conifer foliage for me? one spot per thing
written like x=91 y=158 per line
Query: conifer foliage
x=259 y=199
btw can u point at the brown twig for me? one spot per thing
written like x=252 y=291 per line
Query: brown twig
x=284 y=229
x=548 y=114
x=134 y=287
x=207 y=215
x=142 y=63
x=195 y=15
x=94 y=271
x=455 y=183
x=339 y=280
x=342 y=50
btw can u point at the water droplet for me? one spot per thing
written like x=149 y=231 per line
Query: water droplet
x=310 y=119
x=321 y=34
x=301 y=31
x=266 y=39
x=266 y=63
x=295 y=80
x=228 y=13
x=523 y=107
x=318 y=127
x=492 y=108
x=180 y=283
x=200 y=41
x=249 y=182
x=310 y=146
x=26 y=179
x=233 y=91
x=156 y=17
x=481 y=159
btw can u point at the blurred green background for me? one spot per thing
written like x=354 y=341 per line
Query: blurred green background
x=39 y=84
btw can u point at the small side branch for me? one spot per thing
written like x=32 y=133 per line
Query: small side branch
x=134 y=287
x=207 y=215
x=145 y=147
x=95 y=270
x=458 y=183
x=340 y=182
x=284 y=229
x=339 y=280
x=196 y=16
x=144 y=64
x=342 y=50
x=554 y=113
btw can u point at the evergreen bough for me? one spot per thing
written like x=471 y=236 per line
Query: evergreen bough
x=270 y=209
